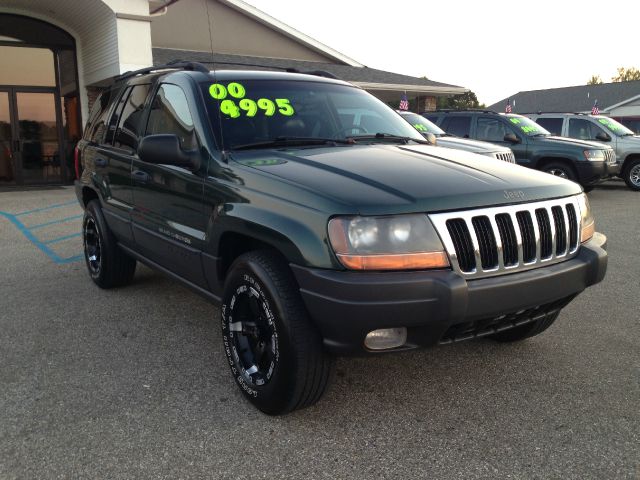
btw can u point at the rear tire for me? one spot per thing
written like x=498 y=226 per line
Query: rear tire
x=561 y=170
x=109 y=266
x=631 y=174
x=526 y=331
x=274 y=351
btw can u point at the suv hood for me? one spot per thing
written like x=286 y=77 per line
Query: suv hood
x=388 y=179
x=475 y=146
x=572 y=141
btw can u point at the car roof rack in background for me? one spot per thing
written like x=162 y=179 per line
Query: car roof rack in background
x=451 y=110
x=176 y=64
x=539 y=112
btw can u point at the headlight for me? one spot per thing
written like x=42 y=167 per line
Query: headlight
x=587 y=222
x=403 y=242
x=594 y=155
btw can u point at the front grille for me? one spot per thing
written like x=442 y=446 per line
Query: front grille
x=494 y=241
x=506 y=157
x=488 y=326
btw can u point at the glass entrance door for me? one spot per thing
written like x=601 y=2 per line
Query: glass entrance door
x=7 y=168
x=30 y=133
x=39 y=137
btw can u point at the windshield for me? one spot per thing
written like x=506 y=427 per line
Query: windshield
x=253 y=113
x=614 y=127
x=421 y=124
x=527 y=126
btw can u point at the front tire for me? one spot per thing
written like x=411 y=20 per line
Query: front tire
x=274 y=351
x=631 y=174
x=561 y=170
x=526 y=331
x=108 y=265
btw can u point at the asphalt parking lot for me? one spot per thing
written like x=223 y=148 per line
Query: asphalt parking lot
x=132 y=383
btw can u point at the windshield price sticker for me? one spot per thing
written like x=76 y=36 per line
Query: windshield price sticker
x=419 y=127
x=235 y=106
x=610 y=125
x=525 y=128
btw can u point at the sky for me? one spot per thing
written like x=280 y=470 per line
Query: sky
x=494 y=48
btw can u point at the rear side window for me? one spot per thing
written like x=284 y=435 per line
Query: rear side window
x=554 y=125
x=129 y=125
x=170 y=114
x=457 y=125
x=97 y=123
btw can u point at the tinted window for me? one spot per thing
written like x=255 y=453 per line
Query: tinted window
x=98 y=118
x=170 y=114
x=457 y=125
x=129 y=126
x=491 y=130
x=554 y=125
x=583 y=129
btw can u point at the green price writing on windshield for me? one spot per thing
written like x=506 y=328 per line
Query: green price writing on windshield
x=528 y=129
x=515 y=120
x=249 y=107
x=419 y=127
x=610 y=125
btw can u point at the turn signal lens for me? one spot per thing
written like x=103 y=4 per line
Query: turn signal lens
x=408 y=261
x=587 y=222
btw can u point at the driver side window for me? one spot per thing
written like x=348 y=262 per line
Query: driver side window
x=170 y=114
x=583 y=129
x=491 y=130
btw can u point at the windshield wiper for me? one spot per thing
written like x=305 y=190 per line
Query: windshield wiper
x=292 y=141
x=388 y=136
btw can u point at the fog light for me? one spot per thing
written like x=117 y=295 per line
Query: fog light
x=385 y=338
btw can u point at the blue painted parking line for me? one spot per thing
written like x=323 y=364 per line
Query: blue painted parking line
x=57 y=205
x=61 y=239
x=54 y=222
x=43 y=245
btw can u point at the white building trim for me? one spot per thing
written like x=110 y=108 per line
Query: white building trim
x=427 y=89
x=290 y=32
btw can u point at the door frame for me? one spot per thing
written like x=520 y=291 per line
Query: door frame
x=12 y=91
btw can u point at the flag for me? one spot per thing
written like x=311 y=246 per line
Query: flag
x=404 y=103
x=507 y=109
x=595 y=110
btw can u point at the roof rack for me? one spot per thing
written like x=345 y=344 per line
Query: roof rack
x=318 y=73
x=177 y=64
x=482 y=110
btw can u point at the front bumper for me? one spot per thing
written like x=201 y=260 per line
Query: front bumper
x=346 y=306
x=590 y=173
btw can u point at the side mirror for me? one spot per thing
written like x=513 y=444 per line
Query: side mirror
x=603 y=137
x=511 y=138
x=430 y=137
x=165 y=149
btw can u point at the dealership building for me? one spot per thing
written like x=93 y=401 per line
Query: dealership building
x=57 y=55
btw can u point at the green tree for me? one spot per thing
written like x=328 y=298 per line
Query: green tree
x=594 y=80
x=460 y=102
x=626 y=74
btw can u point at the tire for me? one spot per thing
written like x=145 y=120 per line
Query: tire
x=274 y=351
x=560 y=169
x=107 y=264
x=631 y=174
x=526 y=331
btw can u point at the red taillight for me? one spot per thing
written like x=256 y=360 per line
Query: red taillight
x=76 y=162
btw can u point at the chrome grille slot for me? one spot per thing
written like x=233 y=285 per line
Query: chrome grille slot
x=493 y=241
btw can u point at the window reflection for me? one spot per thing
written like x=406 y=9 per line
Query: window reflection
x=27 y=66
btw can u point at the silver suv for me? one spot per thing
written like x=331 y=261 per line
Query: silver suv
x=447 y=140
x=601 y=129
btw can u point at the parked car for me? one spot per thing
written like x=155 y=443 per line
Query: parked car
x=587 y=163
x=318 y=236
x=599 y=128
x=447 y=140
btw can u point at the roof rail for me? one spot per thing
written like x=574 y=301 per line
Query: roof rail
x=318 y=73
x=482 y=110
x=177 y=64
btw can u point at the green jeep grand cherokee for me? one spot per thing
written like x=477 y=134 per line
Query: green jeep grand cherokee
x=319 y=236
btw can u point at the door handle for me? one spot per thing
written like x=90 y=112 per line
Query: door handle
x=140 y=176
x=101 y=162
